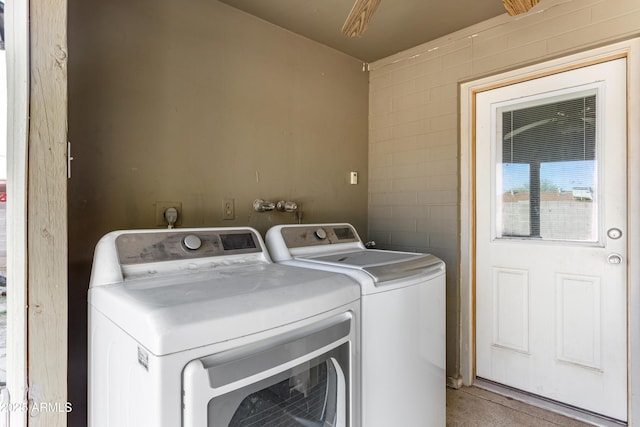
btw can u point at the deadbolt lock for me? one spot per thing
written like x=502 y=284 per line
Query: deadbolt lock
x=614 y=233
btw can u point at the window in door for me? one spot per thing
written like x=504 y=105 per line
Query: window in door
x=546 y=178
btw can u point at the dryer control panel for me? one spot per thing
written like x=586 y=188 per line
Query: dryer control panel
x=149 y=247
x=135 y=254
x=314 y=235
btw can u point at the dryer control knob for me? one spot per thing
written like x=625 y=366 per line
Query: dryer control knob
x=320 y=234
x=192 y=242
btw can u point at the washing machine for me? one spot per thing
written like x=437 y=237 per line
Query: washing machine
x=198 y=327
x=402 y=319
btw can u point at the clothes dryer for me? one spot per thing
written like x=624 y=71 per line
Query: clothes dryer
x=402 y=319
x=197 y=327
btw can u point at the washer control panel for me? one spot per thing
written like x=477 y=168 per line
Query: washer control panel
x=314 y=235
x=142 y=248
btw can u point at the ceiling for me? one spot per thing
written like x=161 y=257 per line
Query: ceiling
x=397 y=25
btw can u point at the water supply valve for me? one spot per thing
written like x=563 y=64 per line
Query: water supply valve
x=260 y=205
x=283 y=206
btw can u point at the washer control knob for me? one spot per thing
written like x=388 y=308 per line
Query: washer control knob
x=320 y=234
x=192 y=242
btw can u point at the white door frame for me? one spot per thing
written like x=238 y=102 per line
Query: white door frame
x=629 y=49
x=17 y=42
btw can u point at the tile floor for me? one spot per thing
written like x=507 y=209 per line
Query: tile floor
x=472 y=406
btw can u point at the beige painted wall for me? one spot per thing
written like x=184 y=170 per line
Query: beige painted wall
x=195 y=102
x=414 y=120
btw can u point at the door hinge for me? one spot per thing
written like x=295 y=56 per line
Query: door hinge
x=69 y=159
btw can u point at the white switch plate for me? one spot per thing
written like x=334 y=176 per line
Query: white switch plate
x=353 y=177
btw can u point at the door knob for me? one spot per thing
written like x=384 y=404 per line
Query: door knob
x=614 y=259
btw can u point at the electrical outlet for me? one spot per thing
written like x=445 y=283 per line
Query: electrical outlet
x=228 y=209
x=161 y=207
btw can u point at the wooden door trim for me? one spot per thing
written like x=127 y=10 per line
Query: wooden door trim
x=46 y=191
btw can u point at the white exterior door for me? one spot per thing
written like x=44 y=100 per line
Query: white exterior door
x=551 y=237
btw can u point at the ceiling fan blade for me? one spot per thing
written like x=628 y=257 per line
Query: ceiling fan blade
x=359 y=17
x=516 y=7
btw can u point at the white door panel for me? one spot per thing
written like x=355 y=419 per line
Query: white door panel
x=550 y=182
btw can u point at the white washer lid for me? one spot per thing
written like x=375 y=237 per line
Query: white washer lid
x=177 y=313
x=384 y=266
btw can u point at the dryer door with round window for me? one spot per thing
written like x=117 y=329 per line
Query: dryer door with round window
x=299 y=379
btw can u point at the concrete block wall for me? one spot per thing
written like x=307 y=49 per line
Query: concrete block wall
x=559 y=220
x=414 y=121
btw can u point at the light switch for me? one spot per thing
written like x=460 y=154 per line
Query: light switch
x=353 y=178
